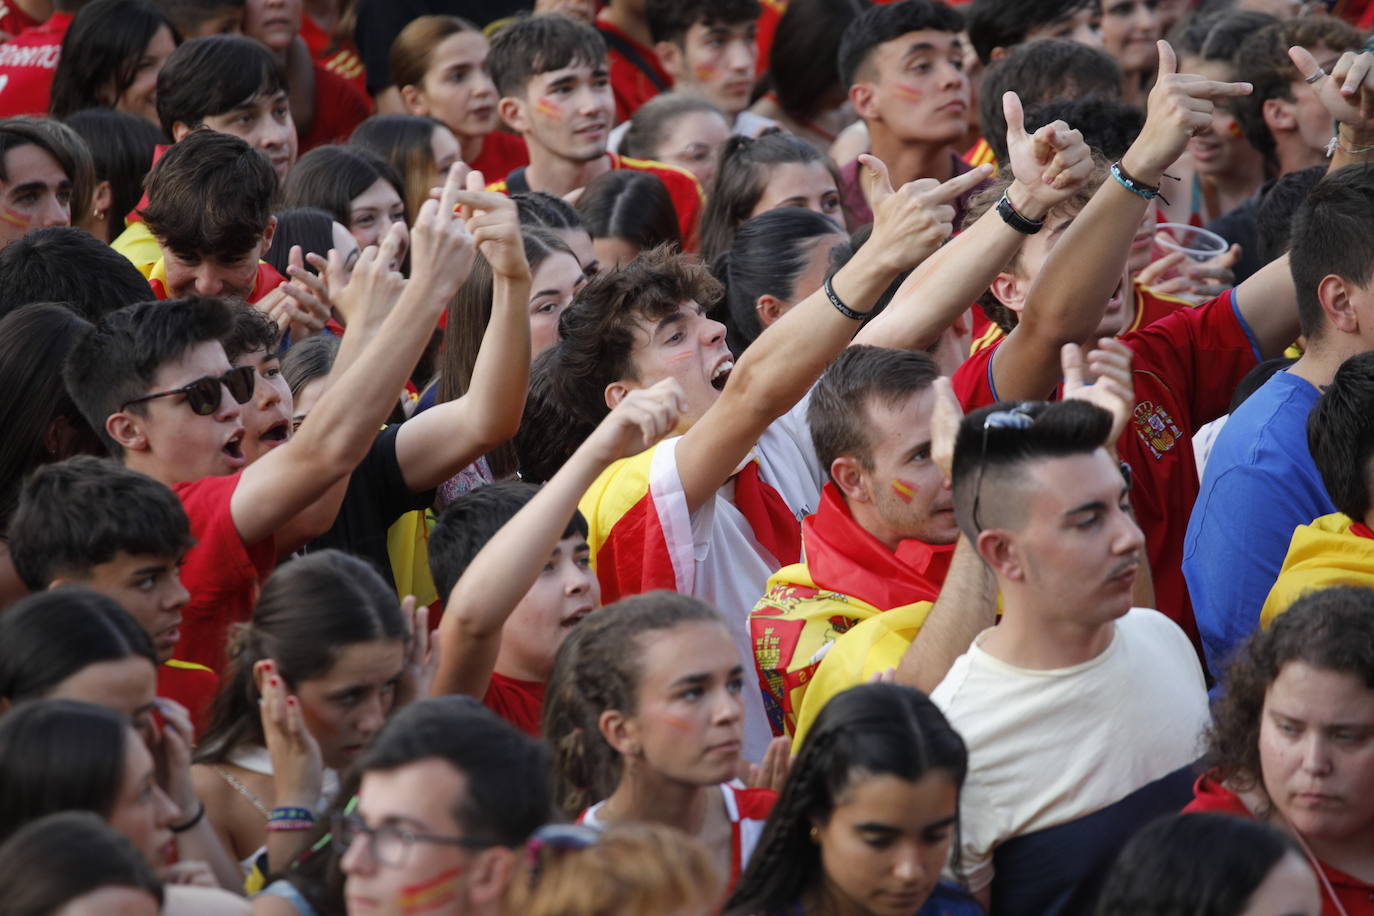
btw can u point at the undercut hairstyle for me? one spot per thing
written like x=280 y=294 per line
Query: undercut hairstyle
x=473 y=519
x=210 y=196
x=809 y=31
x=1059 y=430
x=69 y=266
x=1199 y=864
x=864 y=732
x=406 y=143
x=49 y=863
x=252 y=332
x=596 y=345
x=1262 y=61
x=859 y=378
x=994 y=24
x=543 y=210
x=50 y=636
x=309 y=227
x=1279 y=206
x=412 y=51
x=652 y=122
x=190 y=15
x=76 y=514
x=1331 y=629
x=331 y=177
x=597 y=668
x=670 y=20
x=122 y=147
x=767 y=257
x=632 y=206
x=1340 y=435
x=60 y=755
x=309 y=610
x=58 y=141
x=506 y=793
x=102 y=53
x=1331 y=237
x=887 y=22
x=117 y=360
x=211 y=76
x=541 y=44
x=1039 y=71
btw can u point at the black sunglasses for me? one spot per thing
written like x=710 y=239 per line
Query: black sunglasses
x=205 y=394
x=1019 y=417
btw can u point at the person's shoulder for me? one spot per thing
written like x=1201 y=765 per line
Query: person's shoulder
x=206 y=491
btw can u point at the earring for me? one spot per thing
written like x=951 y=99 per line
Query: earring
x=815 y=835
x=97 y=214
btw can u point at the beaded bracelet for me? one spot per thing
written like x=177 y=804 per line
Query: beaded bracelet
x=840 y=307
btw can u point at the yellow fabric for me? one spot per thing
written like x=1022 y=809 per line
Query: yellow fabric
x=189 y=666
x=614 y=493
x=1320 y=555
x=407 y=543
x=138 y=245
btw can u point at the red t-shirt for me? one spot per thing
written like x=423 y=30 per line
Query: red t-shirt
x=1150 y=306
x=221 y=572
x=13 y=20
x=1186 y=367
x=767 y=26
x=502 y=153
x=343 y=60
x=339 y=108
x=630 y=82
x=521 y=703
x=193 y=686
x=27 y=64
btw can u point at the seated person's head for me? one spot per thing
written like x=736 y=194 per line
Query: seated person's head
x=203 y=18
x=565 y=592
x=122 y=148
x=210 y=209
x=627 y=213
x=1340 y=435
x=555 y=86
x=542 y=210
x=903 y=64
x=330 y=627
x=91 y=522
x=1278 y=208
x=153 y=382
x=360 y=190
x=1295 y=717
x=253 y=341
x=66 y=755
x=67 y=265
x=231 y=85
x=1331 y=261
x=1282 y=116
x=870 y=422
x=76 y=644
x=682 y=130
x=439 y=65
x=72 y=863
x=777 y=259
x=996 y=27
x=880 y=759
x=1044 y=70
x=755 y=176
x=38 y=177
x=1046 y=506
x=419 y=150
x=113 y=51
x=707 y=47
x=445 y=766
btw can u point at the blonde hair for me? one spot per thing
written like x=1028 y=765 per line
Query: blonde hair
x=632 y=870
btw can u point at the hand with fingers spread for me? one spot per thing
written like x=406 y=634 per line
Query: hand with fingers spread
x=911 y=222
x=640 y=420
x=421 y=655
x=441 y=247
x=1179 y=106
x=297 y=767
x=172 y=754
x=772 y=772
x=308 y=289
x=1048 y=166
x=1347 y=91
x=376 y=282
x=1113 y=389
x=944 y=426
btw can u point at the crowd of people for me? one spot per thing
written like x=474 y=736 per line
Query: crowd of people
x=686 y=457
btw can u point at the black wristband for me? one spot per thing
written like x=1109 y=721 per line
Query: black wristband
x=840 y=307
x=182 y=828
x=1013 y=218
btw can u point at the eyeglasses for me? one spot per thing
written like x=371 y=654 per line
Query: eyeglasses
x=559 y=837
x=205 y=394
x=391 y=844
x=1019 y=417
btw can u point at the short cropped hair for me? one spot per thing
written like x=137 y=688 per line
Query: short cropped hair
x=1340 y=435
x=252 y=332
x=76 y=514
x=1331 y=236
x=211 y=76
x=473 y=519
x=210 y=194
x=66 y=265
x=994 y=24
x=117 y=360
x=541 y=44
x=669 y=20
x=1058 y=430
x=887 y=22
x=859 y=377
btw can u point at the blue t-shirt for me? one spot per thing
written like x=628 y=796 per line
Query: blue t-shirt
x=1260 y=483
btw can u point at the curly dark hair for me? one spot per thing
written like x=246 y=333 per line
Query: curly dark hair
x=1332 y=629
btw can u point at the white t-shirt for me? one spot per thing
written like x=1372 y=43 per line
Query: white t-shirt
x=1048 y=747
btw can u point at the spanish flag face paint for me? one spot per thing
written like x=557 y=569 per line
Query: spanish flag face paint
x=429 y=896
x=549 y=108
x=905 y=490
x=15 y=218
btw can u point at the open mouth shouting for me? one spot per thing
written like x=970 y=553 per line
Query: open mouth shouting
x=233 y=449
x=721 y=374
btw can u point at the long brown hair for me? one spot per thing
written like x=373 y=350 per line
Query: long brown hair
x=412 y=51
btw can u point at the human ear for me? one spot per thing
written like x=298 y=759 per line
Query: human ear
x=413 y=99
x=849 y=477
x=769 y=308
x=180 y=130
x=128 y=430
x=1334 y=297
x=1279 y=115
x=620 y=732
x=670 y=56
x=864 y=99
x=999 y=551
x=489 y=875
x=512 y=111
x=1010 y=290
x=615 y=393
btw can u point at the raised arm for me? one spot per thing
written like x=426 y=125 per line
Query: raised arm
x=778 y=368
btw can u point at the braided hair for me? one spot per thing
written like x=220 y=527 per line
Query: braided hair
x=874 y=729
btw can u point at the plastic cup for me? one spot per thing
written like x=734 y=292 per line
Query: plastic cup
x=1197 y=243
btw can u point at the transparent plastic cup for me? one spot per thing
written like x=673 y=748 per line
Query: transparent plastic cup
x=1197 y=243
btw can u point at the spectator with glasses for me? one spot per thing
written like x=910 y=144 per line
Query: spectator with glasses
x=1082 y=714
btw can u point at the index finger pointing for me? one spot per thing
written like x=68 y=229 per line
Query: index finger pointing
x=961 y=184
x=453 y=184
x=1210 y=89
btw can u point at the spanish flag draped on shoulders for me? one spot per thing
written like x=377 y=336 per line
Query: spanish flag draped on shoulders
x=849 y=578
x=1333 y=550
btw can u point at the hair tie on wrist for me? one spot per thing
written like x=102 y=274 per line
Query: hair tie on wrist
x=183 y=827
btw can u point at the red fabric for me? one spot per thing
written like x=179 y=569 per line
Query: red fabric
x=682 y=188
x=342 y=60
x=774 y=525
x=193 y=686
x=842 y=557
x=755 y=805
x=267 y=280
x=520 y=703
x=221 y=572
x=134 y=216
x=502 y=153
x=1363 y=530
x=767 y=27
x=634 y=557
x=13 y=20
x=339 y=108
x=27 y=64
x=1150 y=306
x=630 y=85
